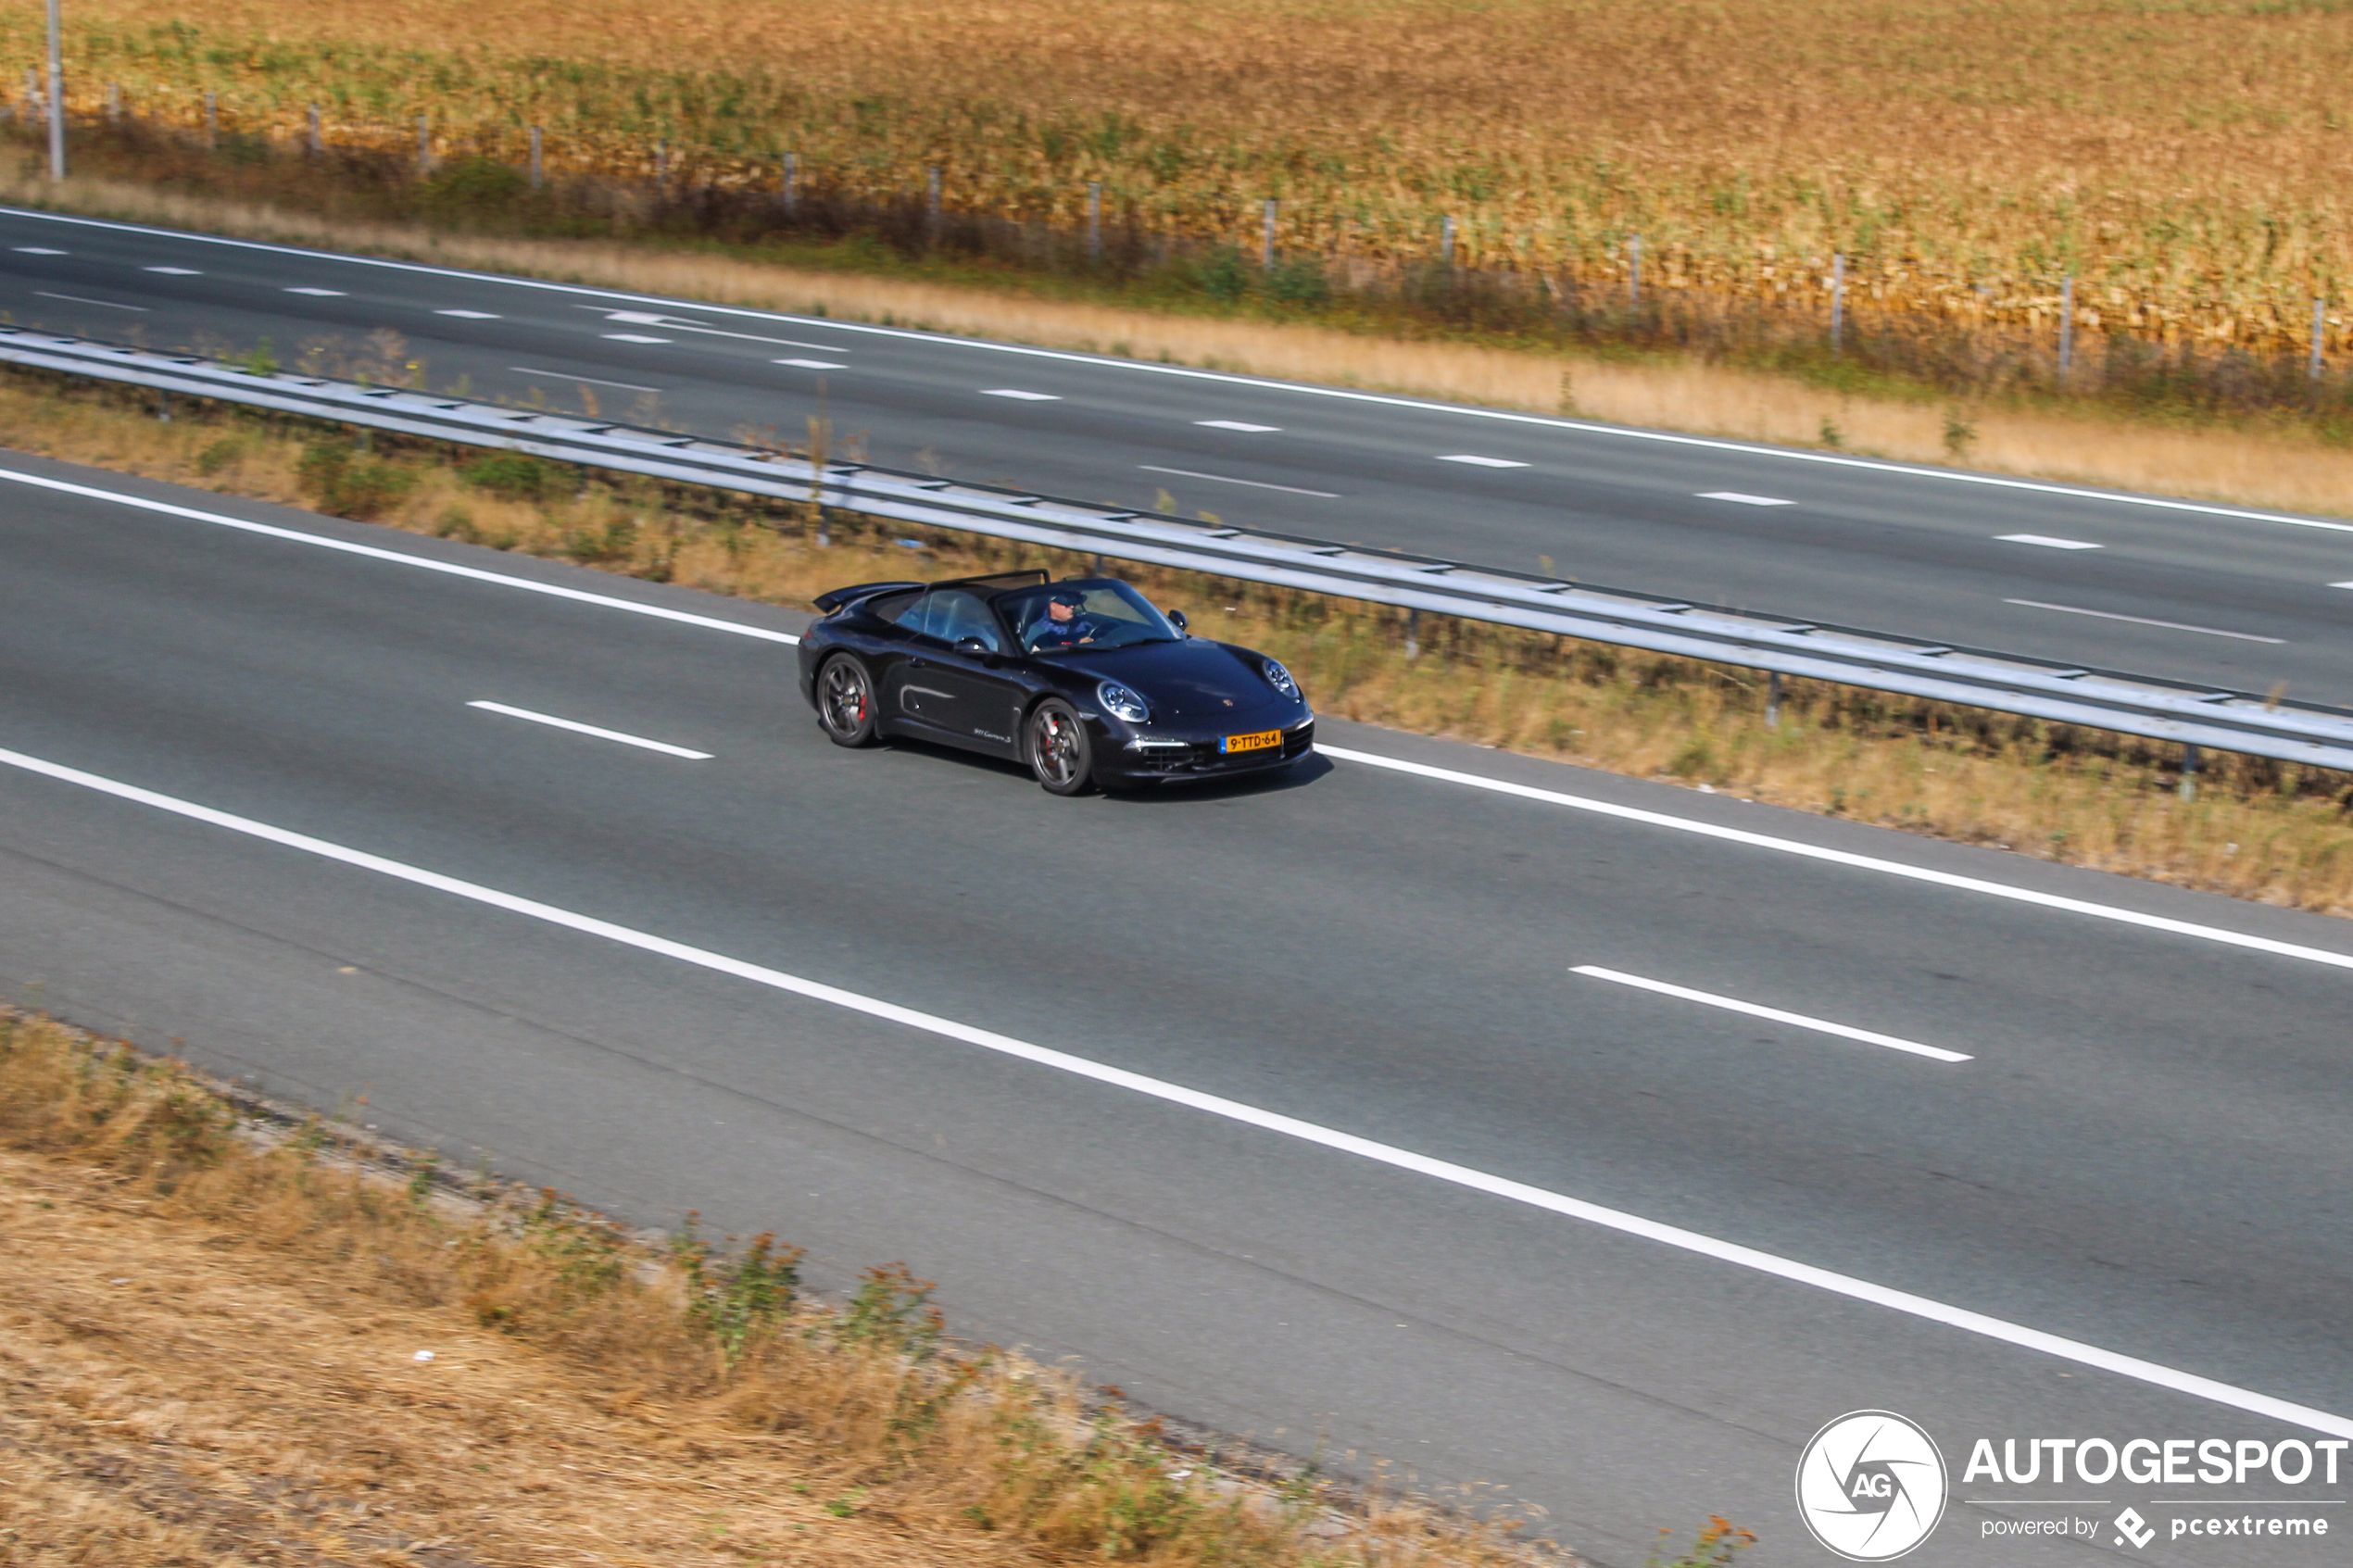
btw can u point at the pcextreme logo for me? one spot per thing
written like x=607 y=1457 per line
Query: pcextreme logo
x=1872 y=1485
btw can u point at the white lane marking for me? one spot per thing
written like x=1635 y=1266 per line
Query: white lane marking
x=323 y=294
x=450 y=569
x=1025 y=397
x=813 y=364
x=634 y=337
x=1617 y=1220
x=2047 y=542
x=646 y=318
x=174 y=271
x=1848 y=858
x=2144 y=620
x=1223 y=378
x=78 y=299
x=1732 y=1004
x=36 y=250
x=472 y=315
x=1743 y=500
x=2341 y=584
x=1222 y=478
x=592 y=380
x=1238 y=424
x=1478 y=461
x=578 y=728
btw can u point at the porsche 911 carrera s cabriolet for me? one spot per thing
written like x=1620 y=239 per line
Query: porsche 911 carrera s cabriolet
x=1083 y=681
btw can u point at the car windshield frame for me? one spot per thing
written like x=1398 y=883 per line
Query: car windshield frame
x=1018 y=610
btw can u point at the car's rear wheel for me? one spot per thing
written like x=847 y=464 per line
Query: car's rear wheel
x=846 y=701
x=1058 y=750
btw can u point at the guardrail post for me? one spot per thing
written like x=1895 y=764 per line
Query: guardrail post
x=1772 y=699
x=1266 y=244
x=425 y=144
x=163 y=412
x=2067 y=326
x=538 y=168
x=1094 y=219
x=114 y=103
x=1634 y=270
x=211 y=121
x=2187 y=788
x=1446 y=243
x=318 y=137
x=792 y=185
x=2319 y=325
x=1838 y=304
x=1413 y=634
x=931 y=206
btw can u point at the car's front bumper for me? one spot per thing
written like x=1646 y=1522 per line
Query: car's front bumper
x=1160 y=762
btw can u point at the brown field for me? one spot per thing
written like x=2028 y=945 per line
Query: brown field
x=2257 y=831
x=230 y=1343
x=2186 y=161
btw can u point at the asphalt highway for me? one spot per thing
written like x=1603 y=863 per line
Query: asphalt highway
x=2233 y=597
x=1376 y=1110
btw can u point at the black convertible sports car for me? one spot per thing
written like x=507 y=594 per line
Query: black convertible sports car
x=1082 y=680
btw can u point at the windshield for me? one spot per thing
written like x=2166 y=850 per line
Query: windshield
x=1076 y=617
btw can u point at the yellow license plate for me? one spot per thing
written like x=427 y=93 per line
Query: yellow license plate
x=1259 y=742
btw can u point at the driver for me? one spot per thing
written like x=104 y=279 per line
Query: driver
x=1065 y=623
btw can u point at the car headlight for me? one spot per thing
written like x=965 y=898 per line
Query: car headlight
x=1121 y=703
x=1280 y=678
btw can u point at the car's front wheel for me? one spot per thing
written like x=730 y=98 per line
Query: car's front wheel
x=846 y=701
x=1059 y=752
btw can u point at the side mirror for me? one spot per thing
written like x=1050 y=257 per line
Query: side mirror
x=974 y=646
x=1177 y=619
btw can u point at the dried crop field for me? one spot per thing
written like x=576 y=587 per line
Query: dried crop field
x=2184 y=159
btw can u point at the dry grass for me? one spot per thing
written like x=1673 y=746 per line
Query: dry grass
x=2259 y=830
x=211 y=1329
x=2242 y=467
x=2184 y=159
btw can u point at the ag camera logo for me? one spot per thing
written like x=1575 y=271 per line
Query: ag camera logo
x=1872 y=1485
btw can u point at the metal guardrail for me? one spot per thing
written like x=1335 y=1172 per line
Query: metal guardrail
x=2225 y=721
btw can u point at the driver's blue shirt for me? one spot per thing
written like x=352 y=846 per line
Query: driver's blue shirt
x=1048 y=632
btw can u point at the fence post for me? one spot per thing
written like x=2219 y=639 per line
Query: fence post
x=1094 y=219
x=211 y=121
x=2066 y=325
x=661 y=166
x=2187 y=788
x=538 y=168
x=931 y=205
x=56 y=98
x=318 y=142
x=31 y=91
x=114 y=103
x=425 y=144
x=1838 y=304
x=1266 y=244
x=1446 y=242
x=1772 y=699
x=1413 y=634
x=2319 y=325
x=792 y=185
x=1634 y=270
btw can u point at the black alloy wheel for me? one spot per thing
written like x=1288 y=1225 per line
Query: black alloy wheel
x=846 y=701
x=1060 y=753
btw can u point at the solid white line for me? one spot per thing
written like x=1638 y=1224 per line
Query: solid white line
x=36 y=250
x=1743 y=500
x=592 y=380
x=1222 y=478
x=471 y=315
x=1304 y=389
x=77 y=299
x=578 y=728
x=2047 y=542
x=1235 y=1111
x=1236 y=424
x=323 y=294
x=634 y=337
x=1475 y=459
x=2144 y=620
x=174 y=271
x=646 y=318
x=449 y=569
x=1732 y=1004
x=813 y=364
x=1025 y=397
x=1848 y=858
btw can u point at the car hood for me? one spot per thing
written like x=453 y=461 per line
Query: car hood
x=1195 y=679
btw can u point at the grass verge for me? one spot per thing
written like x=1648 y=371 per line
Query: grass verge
x=2264 y=459
x=232 y=1336
x=2259 y=830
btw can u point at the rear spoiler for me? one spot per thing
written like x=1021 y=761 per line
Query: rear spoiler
x=834 y=598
